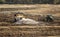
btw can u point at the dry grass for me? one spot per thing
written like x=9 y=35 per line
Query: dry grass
x=29 y=31
x=8 y=29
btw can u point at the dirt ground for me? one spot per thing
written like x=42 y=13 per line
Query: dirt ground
x=44 y=29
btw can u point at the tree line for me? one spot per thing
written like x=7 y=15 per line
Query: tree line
x=29 y=1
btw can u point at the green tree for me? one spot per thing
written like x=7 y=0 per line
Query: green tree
x=1 y=1
x=56 y=1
